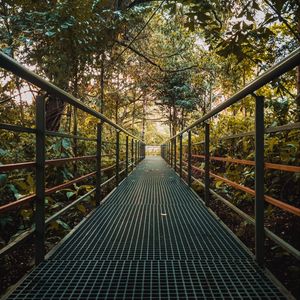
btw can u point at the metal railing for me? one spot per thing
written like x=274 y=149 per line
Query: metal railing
x=134 y=153
x=169 y=153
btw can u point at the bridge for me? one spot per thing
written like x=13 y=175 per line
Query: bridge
x=152 y=236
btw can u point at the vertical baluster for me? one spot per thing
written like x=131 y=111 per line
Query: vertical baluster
x=98 y=163
x=117 y=157
x=135 y=153
x=175 y=154
x=171 y=152
x=180 y=156
x=189 y=157
x=132 y=154
x=259 y=179
x=207 y=166
x=40 y=181
x=127 y=150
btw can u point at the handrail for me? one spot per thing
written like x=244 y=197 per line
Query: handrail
x=28 y=233
x=136 y=152
x=272 y=166
x=48 y=191
x=287 y=207
x=169 y=151
x=280 y=68
x=9 y=64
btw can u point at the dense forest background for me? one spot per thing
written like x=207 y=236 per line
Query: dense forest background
x=153 y=67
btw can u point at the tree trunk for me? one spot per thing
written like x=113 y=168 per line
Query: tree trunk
x=54 y=110
x=174 y=120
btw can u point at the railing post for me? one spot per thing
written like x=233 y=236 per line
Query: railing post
x=259 y=179
x=143 y=150
x=189 y=157
x=171 y=148
x=40 y=181
x=180 y=155
x=127 y=150
x=167 y=153
x=117 y=156
x=135 y=153
x=132 y=154
x=207 y=158
x=98 y=163
x=175 y=162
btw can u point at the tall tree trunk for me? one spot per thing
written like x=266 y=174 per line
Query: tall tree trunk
x=182 y=118
x=174 y=120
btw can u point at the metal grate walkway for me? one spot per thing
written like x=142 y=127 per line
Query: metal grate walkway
x=151 y=239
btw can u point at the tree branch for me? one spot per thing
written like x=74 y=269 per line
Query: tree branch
x=152 y=62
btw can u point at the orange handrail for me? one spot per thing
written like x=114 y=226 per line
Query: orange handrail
x=252 y=163
x=278 y=203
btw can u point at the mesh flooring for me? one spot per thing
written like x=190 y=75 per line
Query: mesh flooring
x=151 y=239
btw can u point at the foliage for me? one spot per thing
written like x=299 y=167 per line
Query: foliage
x=191 y=56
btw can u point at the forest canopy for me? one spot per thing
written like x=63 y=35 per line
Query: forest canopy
x=152 y=67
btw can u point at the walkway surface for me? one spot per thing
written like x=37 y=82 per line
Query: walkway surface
x=151 y=239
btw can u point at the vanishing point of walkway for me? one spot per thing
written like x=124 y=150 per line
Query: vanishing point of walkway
x=151 y=239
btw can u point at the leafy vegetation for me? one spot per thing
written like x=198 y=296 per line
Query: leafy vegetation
x=152 y=67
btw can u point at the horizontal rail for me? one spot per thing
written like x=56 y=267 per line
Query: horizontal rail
x=48 y=191
x=272 y=236
x=267 y=130
x=12 y=65
x=17 y=166
x=272 y=129
x=17 y=128
x=252 y=163
x=67 y=184
x=30 y=232
x=30 y=198
x=290 y=62
x=31 y=164
x=287 y=207
x=57 y=214
x=71 y=136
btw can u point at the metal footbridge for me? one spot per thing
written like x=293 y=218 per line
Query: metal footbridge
x=152 y=238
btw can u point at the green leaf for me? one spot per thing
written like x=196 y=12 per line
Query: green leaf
x=66 y=143
x=63 y=224
x=3 y=180
x=2 y=152
x=50 y=33
x=15 y=191
x=7 y=51
x=218 y=184
x=70 y=194
x=81 y=208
